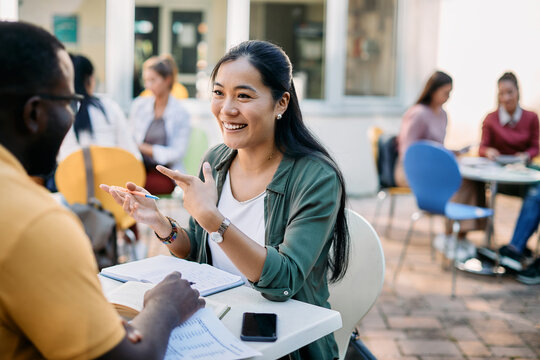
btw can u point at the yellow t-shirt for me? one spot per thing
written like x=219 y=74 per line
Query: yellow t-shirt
x=51 y=303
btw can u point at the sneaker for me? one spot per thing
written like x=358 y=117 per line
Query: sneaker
x=510 y=258
x=445 y=244
x=531 y=275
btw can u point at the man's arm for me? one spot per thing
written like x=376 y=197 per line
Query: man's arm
x=166 y=306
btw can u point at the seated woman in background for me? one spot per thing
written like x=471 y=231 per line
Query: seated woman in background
x=161 y=124
x=99 y=121
x=509 y=130
x=275 y=213
x=426 y=120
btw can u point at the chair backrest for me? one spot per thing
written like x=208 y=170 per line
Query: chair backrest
x=433 y=175
x=384 y=147
x=356 y=293
x=197 y=147
x=111 y=166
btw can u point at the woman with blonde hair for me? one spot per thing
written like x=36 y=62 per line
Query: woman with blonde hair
x=161 y=124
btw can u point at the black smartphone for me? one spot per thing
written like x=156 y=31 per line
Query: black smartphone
x=259 y=327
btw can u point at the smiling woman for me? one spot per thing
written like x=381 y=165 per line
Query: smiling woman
x=269 y=203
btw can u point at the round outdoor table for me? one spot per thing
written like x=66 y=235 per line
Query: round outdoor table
x=491 y=173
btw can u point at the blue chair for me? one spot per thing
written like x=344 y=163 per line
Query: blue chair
x=433 y=175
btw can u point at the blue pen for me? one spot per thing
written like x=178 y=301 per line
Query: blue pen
x=138 y=193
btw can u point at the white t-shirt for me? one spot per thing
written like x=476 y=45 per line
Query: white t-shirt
x=248 y=216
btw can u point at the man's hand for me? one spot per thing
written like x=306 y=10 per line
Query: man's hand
x=176 y=293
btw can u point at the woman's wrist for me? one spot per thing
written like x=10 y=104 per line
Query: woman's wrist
x=212 y=220
x=162 y=227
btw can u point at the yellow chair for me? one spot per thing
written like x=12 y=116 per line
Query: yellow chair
x=111 y=166
x=374 y=133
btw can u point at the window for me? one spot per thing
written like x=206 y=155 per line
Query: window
x=371 y=56
x=298 y=27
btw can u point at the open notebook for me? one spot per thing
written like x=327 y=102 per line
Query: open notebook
x=206 y=278
x=128 y=300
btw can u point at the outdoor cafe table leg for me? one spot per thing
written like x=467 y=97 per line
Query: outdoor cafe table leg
x=490 y=230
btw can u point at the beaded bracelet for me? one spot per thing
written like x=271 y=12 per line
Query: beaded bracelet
x=174 y=232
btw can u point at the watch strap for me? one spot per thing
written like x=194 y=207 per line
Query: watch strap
x=224 y=226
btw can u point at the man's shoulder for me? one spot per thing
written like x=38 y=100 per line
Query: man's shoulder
x=23 y=205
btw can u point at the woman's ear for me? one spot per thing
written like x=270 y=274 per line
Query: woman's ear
x=283 y=103
x=34 y=119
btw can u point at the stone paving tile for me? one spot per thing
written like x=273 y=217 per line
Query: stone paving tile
x=444 y=302
x=426 y=334
x=404 y=322
x=473 y=348
x=429 y=347
x=490 y=325
x=500 y=338
x=382 y=348
x=462 y=333
x=383 y=334
x=513 y=352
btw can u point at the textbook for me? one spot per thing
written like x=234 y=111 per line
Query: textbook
x=205 y=278
x=128 y=300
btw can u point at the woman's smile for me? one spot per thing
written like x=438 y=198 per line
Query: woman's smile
x=233 y=126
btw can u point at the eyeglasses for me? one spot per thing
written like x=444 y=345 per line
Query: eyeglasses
x=74 y=100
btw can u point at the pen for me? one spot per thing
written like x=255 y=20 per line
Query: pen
x=137 y=193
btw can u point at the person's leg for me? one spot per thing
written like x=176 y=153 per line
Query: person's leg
x=528 y=219
x=470 y=193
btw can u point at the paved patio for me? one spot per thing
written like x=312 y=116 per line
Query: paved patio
x=491 y=318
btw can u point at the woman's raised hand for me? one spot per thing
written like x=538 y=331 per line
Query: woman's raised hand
x=140 y=208
x=200 y=198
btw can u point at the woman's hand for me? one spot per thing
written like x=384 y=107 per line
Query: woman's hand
x=140 y=208
x=492 y=153
x=146 y=149
x=200 y=198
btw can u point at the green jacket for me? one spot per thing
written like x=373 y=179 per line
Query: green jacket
x=300 y=210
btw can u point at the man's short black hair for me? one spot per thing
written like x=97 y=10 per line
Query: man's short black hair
x=28 y=62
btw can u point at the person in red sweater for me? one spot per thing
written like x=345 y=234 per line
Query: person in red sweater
x=510 y=130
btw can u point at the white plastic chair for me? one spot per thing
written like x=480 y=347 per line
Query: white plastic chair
x=356 y=293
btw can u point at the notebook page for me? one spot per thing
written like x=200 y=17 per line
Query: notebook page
x=203 y=336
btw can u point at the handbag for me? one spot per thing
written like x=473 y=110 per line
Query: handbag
x=99 y=224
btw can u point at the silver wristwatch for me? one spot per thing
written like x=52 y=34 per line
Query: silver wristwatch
x=217 y=236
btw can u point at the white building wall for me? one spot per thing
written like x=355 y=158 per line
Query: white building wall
x=480 y=40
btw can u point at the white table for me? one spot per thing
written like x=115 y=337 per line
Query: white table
x=298 y=323
x=482 y=169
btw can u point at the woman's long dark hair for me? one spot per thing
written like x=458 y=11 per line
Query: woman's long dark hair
x=292 y=137
x=84 y=69
x=436 y=81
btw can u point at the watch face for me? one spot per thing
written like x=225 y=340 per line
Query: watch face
x=216 y=237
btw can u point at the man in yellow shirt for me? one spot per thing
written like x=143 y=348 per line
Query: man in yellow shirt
x=51 y=304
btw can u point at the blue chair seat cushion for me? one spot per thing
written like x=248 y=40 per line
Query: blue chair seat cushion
x=455 y=211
